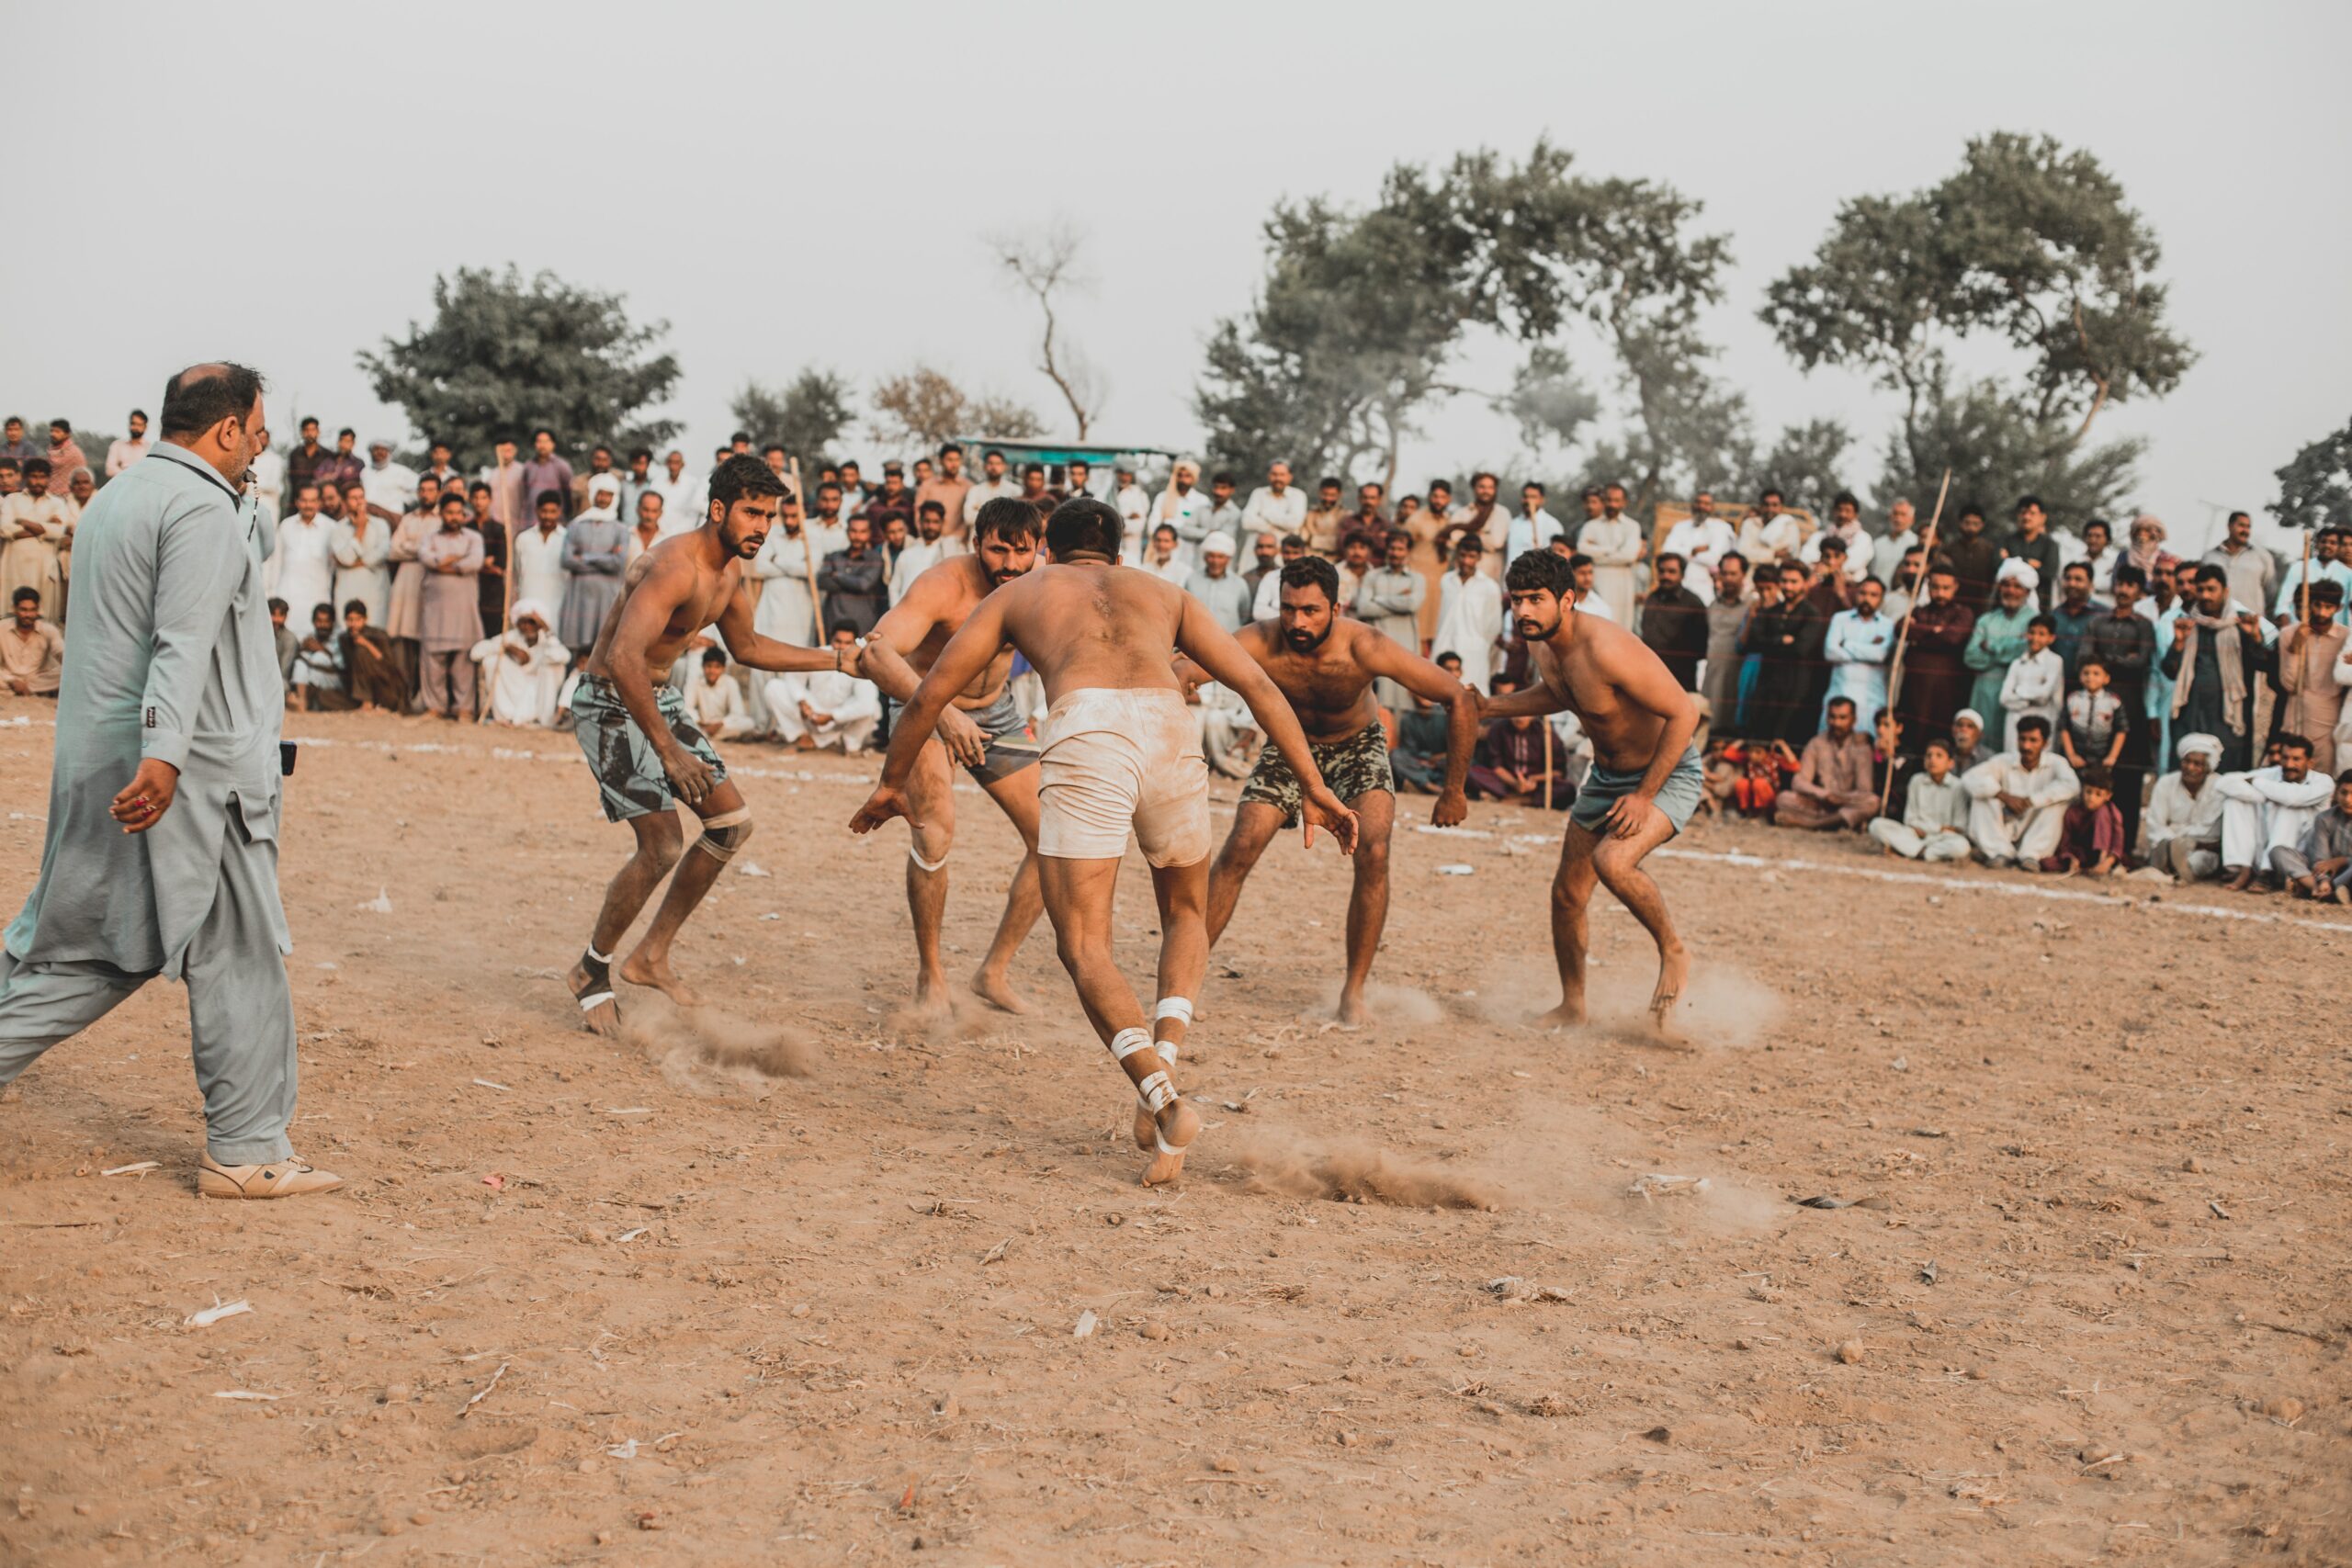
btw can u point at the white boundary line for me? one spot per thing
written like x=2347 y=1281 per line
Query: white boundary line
x=2012 y=889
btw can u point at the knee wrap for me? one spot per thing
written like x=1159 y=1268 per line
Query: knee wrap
x=915 y=855
x=723 y=835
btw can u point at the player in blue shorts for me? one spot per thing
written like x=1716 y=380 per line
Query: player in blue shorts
x=1645 y=780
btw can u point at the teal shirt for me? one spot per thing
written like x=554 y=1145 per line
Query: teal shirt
x=172 y=656
x=1995 y=644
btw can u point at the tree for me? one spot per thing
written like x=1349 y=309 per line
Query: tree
x=1807 y=465
x=2026 y=244
x=1999 y=445
x=923 y=408
x=805 y=418
x=503 y=355
x=2315 y=488
x=1044 y=266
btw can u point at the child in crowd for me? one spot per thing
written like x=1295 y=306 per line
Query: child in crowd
x=2091 y=841
x=2096 y=724
x=2037 y=678
x=1748 y=775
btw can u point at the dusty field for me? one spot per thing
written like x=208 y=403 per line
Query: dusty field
x=589 y=1303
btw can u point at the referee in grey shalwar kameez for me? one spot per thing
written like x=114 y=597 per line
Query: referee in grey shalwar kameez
x=162 y=850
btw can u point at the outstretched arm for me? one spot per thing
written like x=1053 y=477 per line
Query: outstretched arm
x=1423 y=679
x=748 y=647
x=1212 y=647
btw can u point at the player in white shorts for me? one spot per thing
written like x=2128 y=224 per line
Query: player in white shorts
x=1119 y=755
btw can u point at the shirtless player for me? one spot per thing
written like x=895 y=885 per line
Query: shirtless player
x=1120 y=752
x=983 y=729
x=1645 y=778
x=1325 y=664
x=643 y=749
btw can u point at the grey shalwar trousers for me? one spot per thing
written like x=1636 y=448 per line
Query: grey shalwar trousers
x=240 y=1009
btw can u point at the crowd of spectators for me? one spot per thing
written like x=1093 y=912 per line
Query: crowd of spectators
x=2044 y=697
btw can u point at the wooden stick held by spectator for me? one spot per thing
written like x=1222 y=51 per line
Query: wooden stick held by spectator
x=1903 y=637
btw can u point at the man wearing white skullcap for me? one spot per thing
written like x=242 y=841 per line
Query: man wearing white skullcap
x=523 y=667
x=2184 y=816
x=1216 y=585
x=1997 y=640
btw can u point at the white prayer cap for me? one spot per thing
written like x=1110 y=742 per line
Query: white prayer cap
x=2020 y=571
x=379 y=441
x=531 y=610
x=1217 y=543
x=1972 y=716
x=2208 y=745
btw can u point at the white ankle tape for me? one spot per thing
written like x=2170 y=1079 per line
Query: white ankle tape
x=1167 y=1049
x=931 y=865
x=1158 y=1093
x=599 y=957
x=1127 y=1042
x=1177 y=1007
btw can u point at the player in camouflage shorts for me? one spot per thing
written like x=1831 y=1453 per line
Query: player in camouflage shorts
x=1354 y=768
x=1327 y=665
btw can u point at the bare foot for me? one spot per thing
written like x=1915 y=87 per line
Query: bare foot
x=2344 y=894
x=604 y=1018
x=932 y=1003
x=1145 y=1125
x=2242 y=881
x=1175 y=1128
x=1569 y=1014
x=640 y=971
x=998 y=992
x=1351 y=1007
x=1673 y=975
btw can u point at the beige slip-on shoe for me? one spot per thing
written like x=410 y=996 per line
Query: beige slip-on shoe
x=278 y=1179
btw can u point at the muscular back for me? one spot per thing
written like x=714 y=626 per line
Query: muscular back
x=1329 y=688
x=673 y=570
x=1095 y=625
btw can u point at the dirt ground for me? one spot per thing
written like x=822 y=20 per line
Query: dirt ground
x=791 y=1283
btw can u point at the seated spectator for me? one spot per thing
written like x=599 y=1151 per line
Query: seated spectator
x=2018 y=799
x=318 y=685
x=2321 y=865
x=1833 y=786
x=1750 y=774
x=2036 y=678
x=290 y=642
x=371 y=664
x=2090 y=840
x=1935 y=812
x=32 y=653
x=1890 y=766
x=522 y=667
x=827 y=707
x=1418 y=756
x=1229 y=737
x=2184 y=816
x=716 y=703
x=1511 y=762
x=2267 y=809
x=1968 y=742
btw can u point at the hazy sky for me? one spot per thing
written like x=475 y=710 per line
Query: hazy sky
x=791 y=186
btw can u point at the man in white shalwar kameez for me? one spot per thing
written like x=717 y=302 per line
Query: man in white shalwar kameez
x=2261 y=811
x=1614 y=542
x=1469 y=615
x=301 y=569
x=1770 y=533
x=2017 y=800
x=1701 y=539
x=522 y=667
x=161 y=856
x=361 y=543
x=825 y=706
x=2183 y=822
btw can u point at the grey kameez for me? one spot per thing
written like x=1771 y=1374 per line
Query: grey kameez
x=172 y=658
